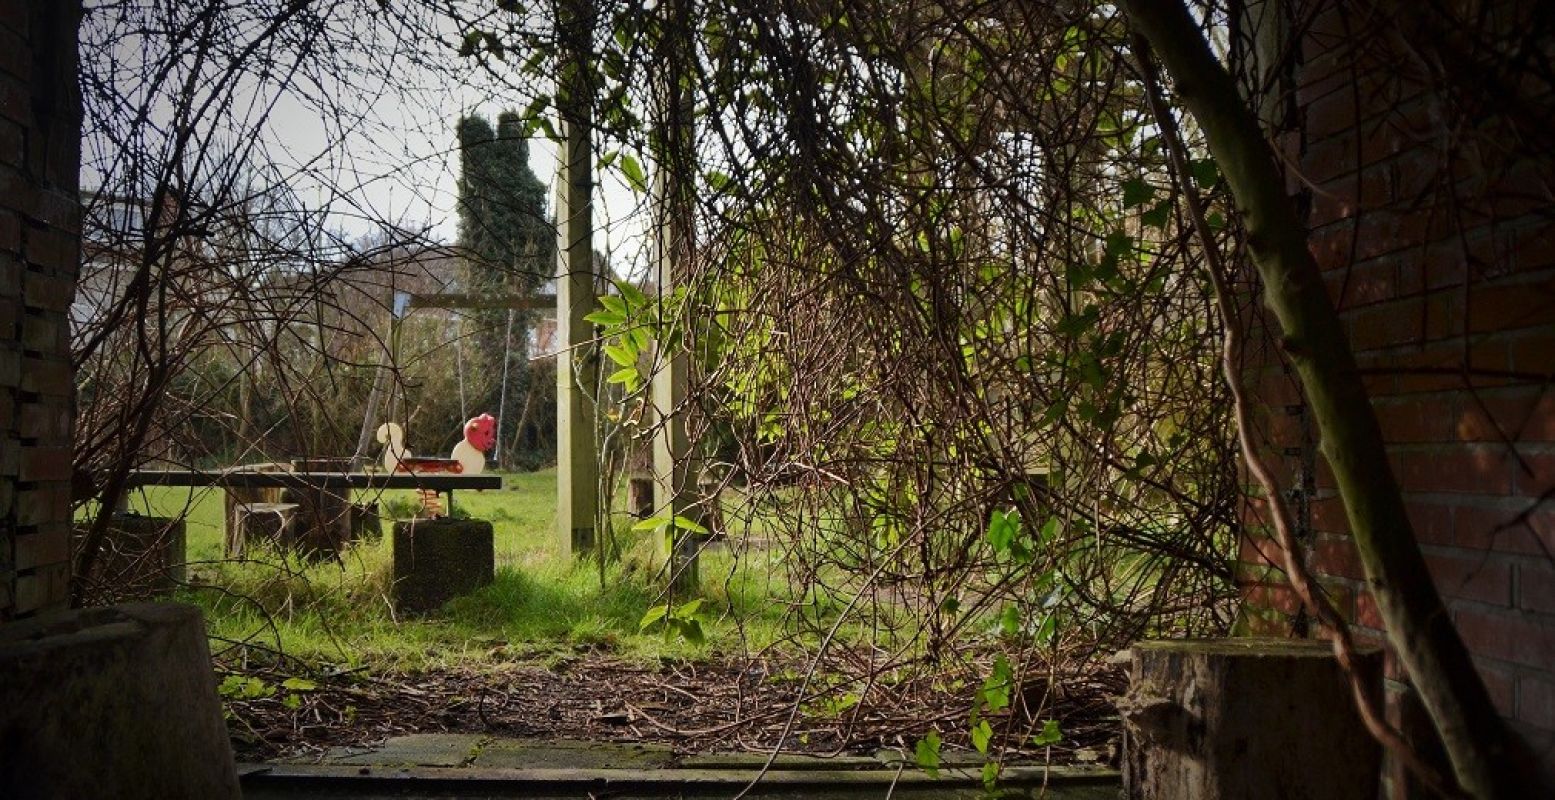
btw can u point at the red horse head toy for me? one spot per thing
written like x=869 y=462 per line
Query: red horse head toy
x=481 y=432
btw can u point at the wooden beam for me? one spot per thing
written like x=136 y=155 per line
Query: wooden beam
x=461 y=300
x=577 y=365
x=442 y=482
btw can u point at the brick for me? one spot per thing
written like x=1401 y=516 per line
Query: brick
x=47 y=376
x=46 y=588
x=1505 y=528
x=45 y=421
x=1430 y=521
x=45 y=464
x=1500 y=683
x=45 y=332
x=1511 y=306
x=1507 y=635
x=43 y=505
x=1536 y=588
x=1472 y=576
x=1524 y=414
x=1477 y=470
x=1415 y=419
x=48 y=292
x=1534 y=474
x=1337 y=556
x=1367 y=614
x=1536 y=701
x=42 y=548
x=1534 y=355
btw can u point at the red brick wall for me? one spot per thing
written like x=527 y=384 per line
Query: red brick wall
x=40 y=134
x=1432 y=214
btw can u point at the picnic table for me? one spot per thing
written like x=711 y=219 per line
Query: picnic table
x=322 y=499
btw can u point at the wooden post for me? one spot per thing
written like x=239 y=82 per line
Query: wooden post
x=675 y=472
x=1237 y=718
x=577 y=366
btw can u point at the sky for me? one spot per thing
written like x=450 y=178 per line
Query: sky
x=405 y=168
x=370 y=142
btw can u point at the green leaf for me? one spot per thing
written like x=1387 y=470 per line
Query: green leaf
x=292 y=701
x=605 y=318
x=1009 y=621
x=690 y=630
x=633 y=296
x=1048 y=735
x=926 y=754
x=990 y=774
x=634 y=174
x=1136 y=192
x=652 y=524
x=299 y=685
x=613 y=303
x=622 y=354
x=689 y=524
x=624 y=375
x=1158 y=216
x=689 y=609
x=654 y=615
x=1050 y=529
x=1205 y=173
x=1003 y=527
x=982 y=734
x=996 y=690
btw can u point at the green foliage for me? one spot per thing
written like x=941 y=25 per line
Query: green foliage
x=926 y=753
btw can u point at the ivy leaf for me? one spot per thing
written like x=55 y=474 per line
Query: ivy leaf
x=1048 y=735
x=635 y=177
x=1158 y=216
x=1136 y=192
x=982 y=734
x=1003 y=527
x=996 y=690
x=1205 y=173
x=299 y=685
x=1009 y=621
x=926 y=754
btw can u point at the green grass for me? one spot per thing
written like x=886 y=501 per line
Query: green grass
x=543 y=603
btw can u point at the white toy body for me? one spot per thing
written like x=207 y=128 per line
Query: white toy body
x=471 y=461
x=392 y=436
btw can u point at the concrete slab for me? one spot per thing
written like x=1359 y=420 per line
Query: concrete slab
x=565 y=754
x=415 y=750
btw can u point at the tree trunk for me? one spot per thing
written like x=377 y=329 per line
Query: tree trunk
x=1418 y=625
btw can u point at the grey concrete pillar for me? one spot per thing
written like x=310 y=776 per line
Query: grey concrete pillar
x=112 y=702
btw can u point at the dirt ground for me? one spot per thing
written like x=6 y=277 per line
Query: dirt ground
x=730 y=706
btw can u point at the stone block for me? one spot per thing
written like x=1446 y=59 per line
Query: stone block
x=1250 y=717
x=436 y=560
x=261 y=522
x=117 y=701
x=141 y=557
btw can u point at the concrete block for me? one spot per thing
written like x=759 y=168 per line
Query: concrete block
x=141 y=558
x=436 y=560
x=112 y=702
